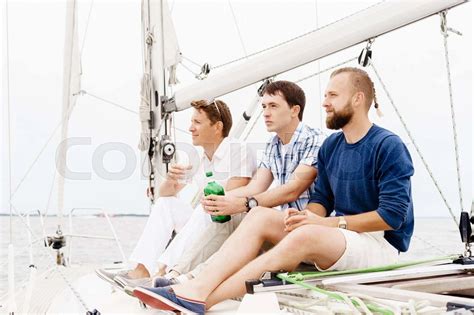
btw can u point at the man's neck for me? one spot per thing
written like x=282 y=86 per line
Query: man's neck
x=286 y=134
x=211 y=148
x=356 y=129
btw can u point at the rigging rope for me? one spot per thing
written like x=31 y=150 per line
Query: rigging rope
x=307 y=275
x=66 y=116
x=335 y=295
x=326 y=69
x=87 y=27
x=238 y=29
x=191 y=61
x=355 y=300
x=430 y=245
x=172 y=6
x=53 y=262
x=189 y=69
x=109 y=102
x=318 y=68
x=246 y=55
x=50 y=194
x=293 y=39
x=260 y=112
x=444 y=32
x=82 y=92
x=412 y=139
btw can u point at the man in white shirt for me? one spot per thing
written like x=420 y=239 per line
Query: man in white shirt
x=233 y=167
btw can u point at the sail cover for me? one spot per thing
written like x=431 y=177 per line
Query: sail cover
x=372 y=22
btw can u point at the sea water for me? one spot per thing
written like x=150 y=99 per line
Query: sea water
x=433 y=237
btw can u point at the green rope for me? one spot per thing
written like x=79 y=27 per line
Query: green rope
x=298 y=278
x=319 y=274
x=334 y=295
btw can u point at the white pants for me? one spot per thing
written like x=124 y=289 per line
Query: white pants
x=167 y=215
x=204 y=246
x=184 y=240
x=364 y=250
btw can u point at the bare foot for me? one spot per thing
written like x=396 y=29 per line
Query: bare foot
x=189 y=290
x=161 y=270
x=139 y=272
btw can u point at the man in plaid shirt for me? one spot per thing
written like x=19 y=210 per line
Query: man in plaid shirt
x=289 y=160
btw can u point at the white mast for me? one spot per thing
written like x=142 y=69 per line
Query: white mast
x=71 y=86
x=370 y=23
x=6 y=160
x=161 y=55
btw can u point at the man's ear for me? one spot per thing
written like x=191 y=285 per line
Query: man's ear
x=295 y=110
x=358 y=99
x=220 y=126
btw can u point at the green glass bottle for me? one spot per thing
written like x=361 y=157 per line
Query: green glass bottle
x=214 y=188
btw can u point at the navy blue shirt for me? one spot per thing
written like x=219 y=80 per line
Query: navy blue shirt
x=372 y=174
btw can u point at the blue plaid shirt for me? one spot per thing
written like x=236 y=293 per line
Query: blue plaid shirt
x=302 y=149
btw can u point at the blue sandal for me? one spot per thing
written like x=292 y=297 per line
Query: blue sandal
x=165 y=299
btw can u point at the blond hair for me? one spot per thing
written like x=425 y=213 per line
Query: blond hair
x=361 y=82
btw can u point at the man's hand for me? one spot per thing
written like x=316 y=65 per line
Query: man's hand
x=295 y=218
x=177 y=173
x=223 y=205
x=175 y=180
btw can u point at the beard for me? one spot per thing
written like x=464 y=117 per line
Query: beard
x=340 y=118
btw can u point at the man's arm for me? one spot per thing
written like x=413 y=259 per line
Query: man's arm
x=316 y=214
x=235 y=201
x=168 y=189
x=171 y=186
x=364 y=222
x=260 y=182
x=300 y=180
x=235 y=183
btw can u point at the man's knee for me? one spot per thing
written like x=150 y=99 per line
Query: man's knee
x=306 y=235
x=261 y=214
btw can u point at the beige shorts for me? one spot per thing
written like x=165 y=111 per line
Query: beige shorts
x=364 y=250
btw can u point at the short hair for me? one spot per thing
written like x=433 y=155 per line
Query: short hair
x=291 y=92
x=361 y=82
x=216 y=110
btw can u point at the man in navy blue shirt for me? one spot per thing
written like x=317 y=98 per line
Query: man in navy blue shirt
x=363 y=180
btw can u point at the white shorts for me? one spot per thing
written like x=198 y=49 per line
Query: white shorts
x=364 y=250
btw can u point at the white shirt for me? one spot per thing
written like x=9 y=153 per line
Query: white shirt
x=284 y=149
x=232 y=158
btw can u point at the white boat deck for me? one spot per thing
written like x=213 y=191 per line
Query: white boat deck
x=51 y=295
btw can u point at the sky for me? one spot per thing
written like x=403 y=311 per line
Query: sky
x=410 y=61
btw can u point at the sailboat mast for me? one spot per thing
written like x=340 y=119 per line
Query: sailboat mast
x=6 y=162
x=160 y=57
x=71 y=86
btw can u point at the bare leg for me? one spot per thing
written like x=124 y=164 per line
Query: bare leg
x=161 y=270
x=261 y=224
x=320 y=244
